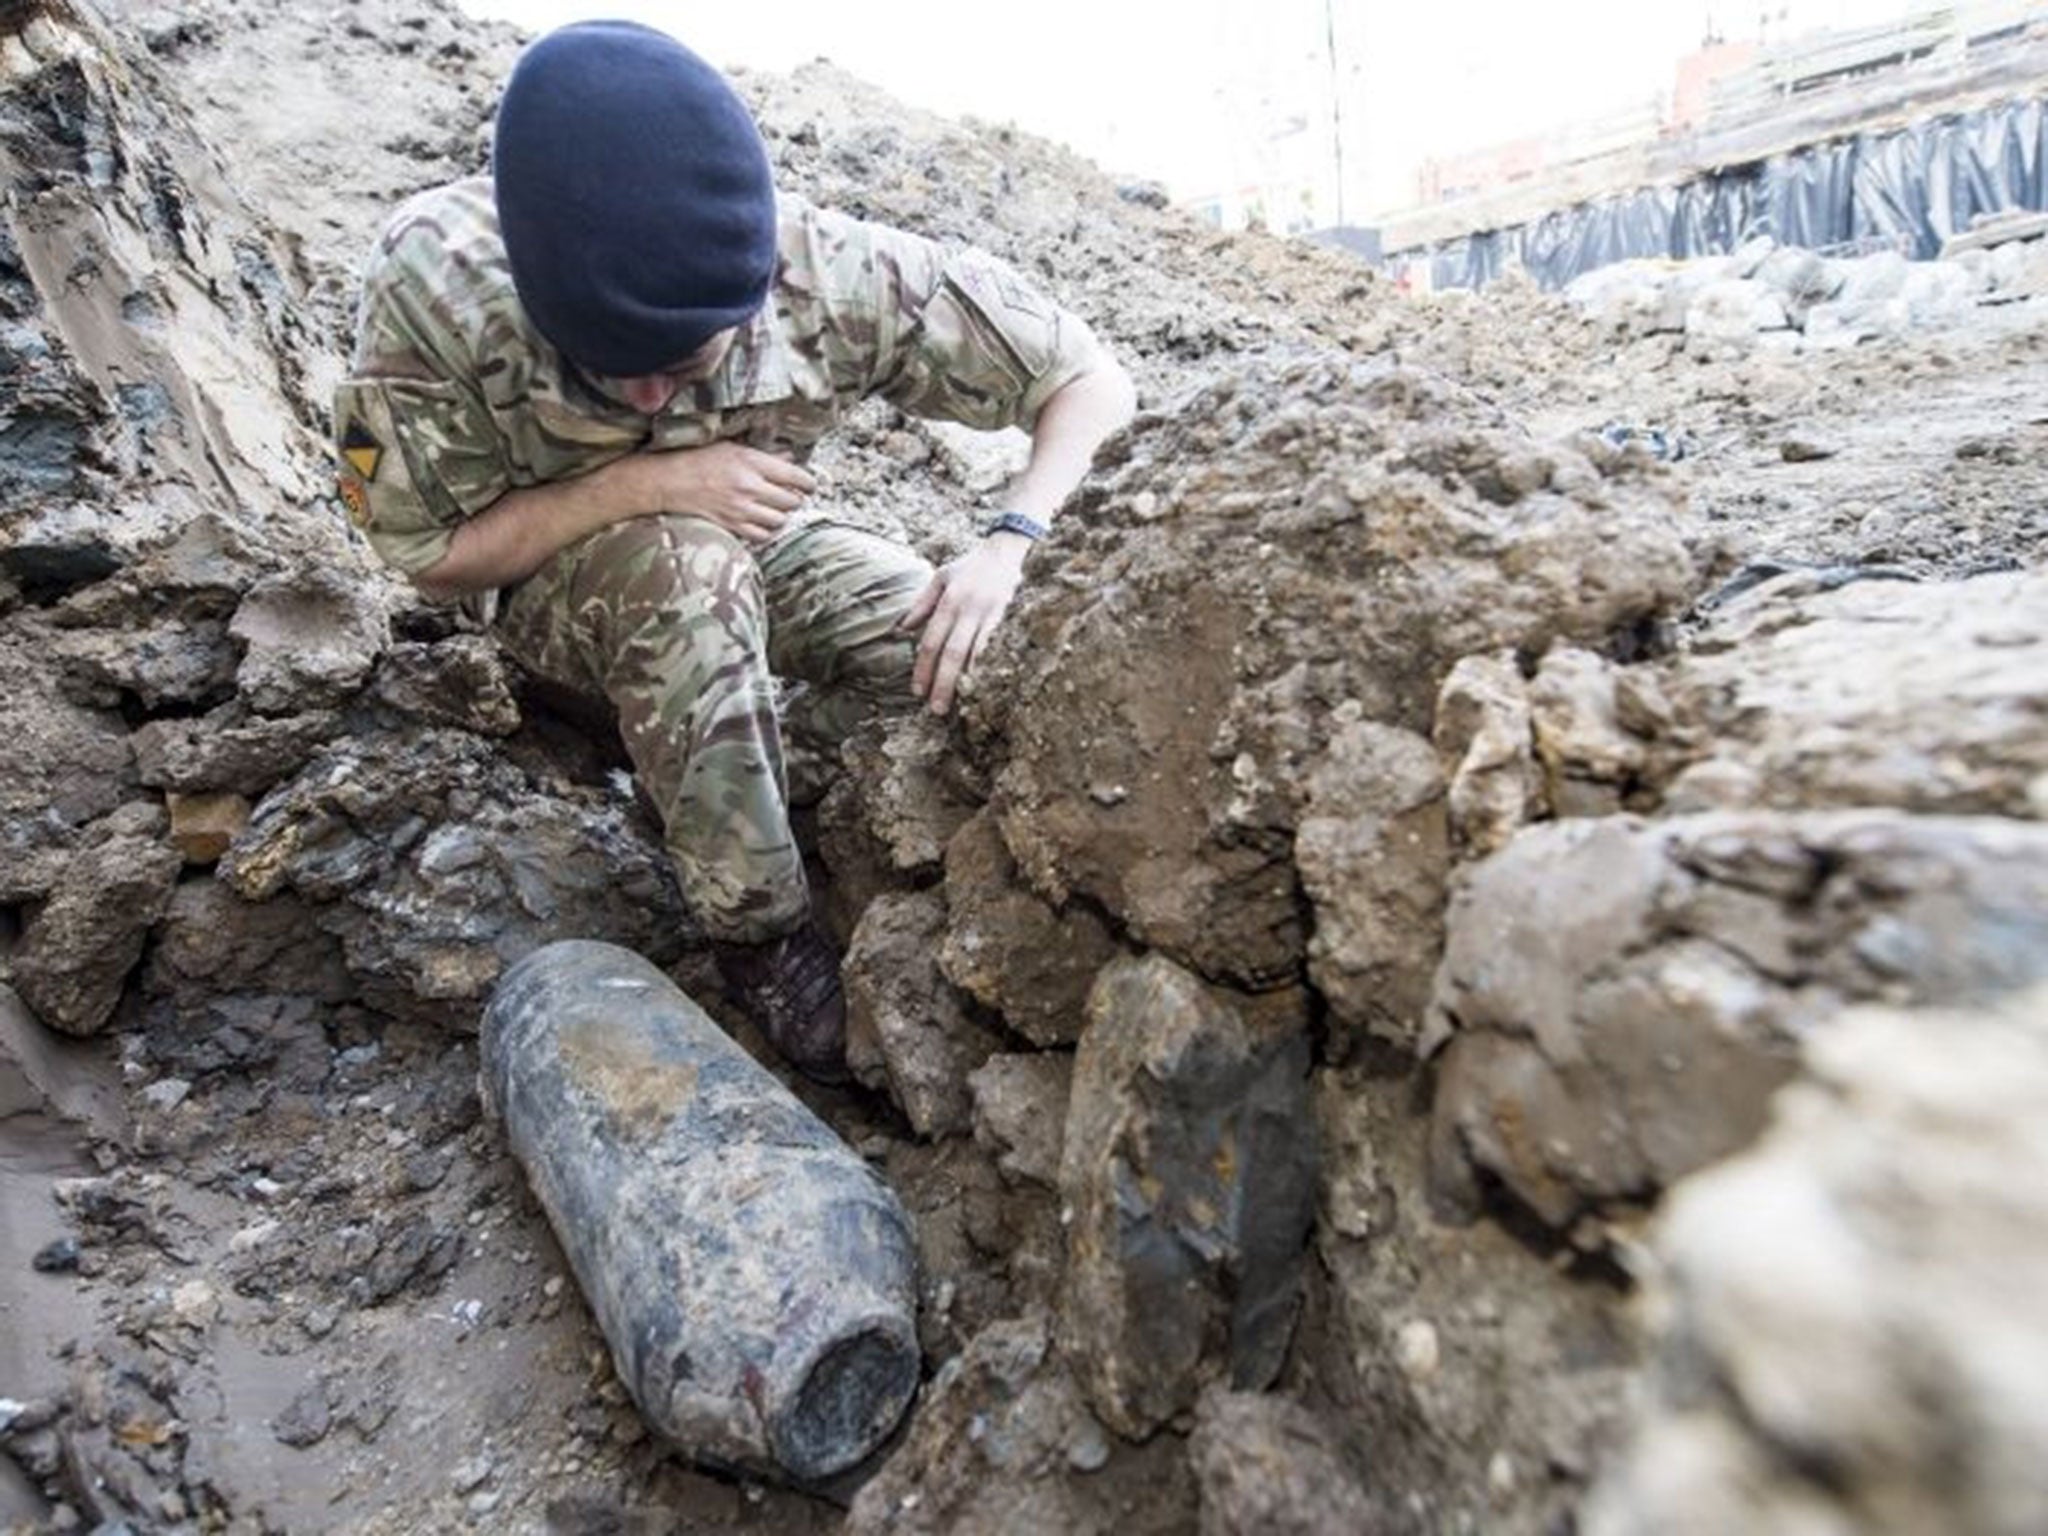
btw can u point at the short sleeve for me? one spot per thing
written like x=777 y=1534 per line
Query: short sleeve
x=982 y=344
x=418 y=456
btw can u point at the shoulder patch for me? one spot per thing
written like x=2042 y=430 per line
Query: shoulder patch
x=362 y=450
x=357 y=499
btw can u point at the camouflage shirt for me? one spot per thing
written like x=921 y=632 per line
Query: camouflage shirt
x=454 y=398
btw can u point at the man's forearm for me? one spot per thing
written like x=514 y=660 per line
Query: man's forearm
x=1070 y=427
x=522 y=530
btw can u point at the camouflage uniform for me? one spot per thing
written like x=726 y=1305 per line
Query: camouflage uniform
x=455 y=399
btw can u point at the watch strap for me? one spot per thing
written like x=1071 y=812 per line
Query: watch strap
x=1016 y=522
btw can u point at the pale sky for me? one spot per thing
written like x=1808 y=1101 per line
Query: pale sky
x=1189 y=92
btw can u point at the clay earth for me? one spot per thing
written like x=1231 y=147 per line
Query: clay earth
x=1454 y=972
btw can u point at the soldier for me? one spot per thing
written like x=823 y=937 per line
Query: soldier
x=580 y=397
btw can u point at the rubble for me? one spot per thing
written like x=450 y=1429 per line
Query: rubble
x=1822 y=1300
x=1189 y=1170
x=1830 y=302
x=1286 y=541
x=907 y=1031
x=1374 y=852
x=1012 y=951
x=1264 y=1465
x=1622 y=997
x=1020 y=1112
x=1437 y=717
x=87 y=931
x=1930 y=697
x=997 y=1446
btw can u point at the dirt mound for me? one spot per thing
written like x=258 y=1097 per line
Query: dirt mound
x=1403 y=830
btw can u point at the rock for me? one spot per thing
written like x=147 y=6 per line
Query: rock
x=461 y=681
x=1926 y=697
x=202 y=826
x=1873 y=279
x=1020 y=1112
x=436 y=863
x=305 y=1420
x=1736 y=309
x=1801 y=280
x=166 y=1093
x=1751 y=255
x=311 y=639
x=1374 y=854
x=195 y=1304
x=1806 y=450
x=990 y=1444
x=229 y=751
x=197 y=576
x=1590 y=759
x=1418 y=1350
x=213 y=944
x=79 y=945
x=1686 y=283
x=907 y=1030
x=1824 y=1299
x=46 y=1079
x=1267 y=1467
x=1989 y=230
x=890 y=812
x=1484 y=739
x=899 y=774
x=1189 y=1167
x=67 y=765
x=1627 y=296
x=1011 y=951
x=1937 y=295
x=1845 y=322
x=1623 y=997
x=1337 y=533
x=62 y=545
x=2018 y=272
x=178 y=663
x=59 y=1256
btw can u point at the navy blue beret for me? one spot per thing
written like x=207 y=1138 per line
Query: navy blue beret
x=634 y=196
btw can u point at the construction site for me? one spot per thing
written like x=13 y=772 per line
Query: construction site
x=1472 y=958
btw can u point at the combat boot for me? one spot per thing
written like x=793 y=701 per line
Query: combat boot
x=790 y=988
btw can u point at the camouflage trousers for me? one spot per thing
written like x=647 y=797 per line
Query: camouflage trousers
x=684 y=630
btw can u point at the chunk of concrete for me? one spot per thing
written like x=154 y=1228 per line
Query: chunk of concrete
x=1737 y=309
x=461 y=681
x=907 y=1031
x=1189 y=1169
x=1011 y=950
x=1020 y=1111
x=1483 y=736
x=79 y=945
x=1622 y=998
x=311 y=638
x=1859 y=1292
x=1374 y=853
x=1266 y=1466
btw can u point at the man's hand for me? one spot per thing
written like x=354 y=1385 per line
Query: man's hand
x=748 y=493
x=959 y=611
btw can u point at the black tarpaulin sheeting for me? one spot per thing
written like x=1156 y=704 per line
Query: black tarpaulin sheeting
x=1910 y=190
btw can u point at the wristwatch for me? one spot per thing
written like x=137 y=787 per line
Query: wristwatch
x=1016 y=522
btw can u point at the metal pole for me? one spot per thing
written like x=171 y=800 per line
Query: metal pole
x=1336 y=102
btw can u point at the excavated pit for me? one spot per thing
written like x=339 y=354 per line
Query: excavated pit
x=1323 y=1005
